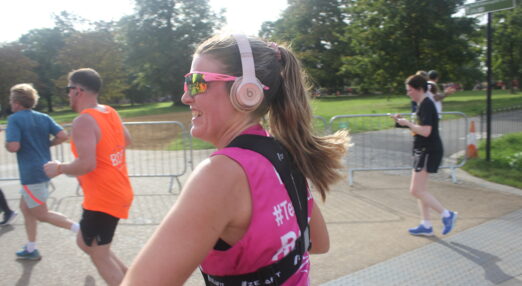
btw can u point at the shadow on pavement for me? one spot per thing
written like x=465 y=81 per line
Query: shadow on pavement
x=492 y=272
x=27 y=267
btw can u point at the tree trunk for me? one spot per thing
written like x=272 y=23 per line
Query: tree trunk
x=49 y=99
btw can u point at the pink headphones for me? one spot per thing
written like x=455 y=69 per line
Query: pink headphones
x=247 y=91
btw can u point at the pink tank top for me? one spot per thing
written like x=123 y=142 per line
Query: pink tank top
x=273 y=228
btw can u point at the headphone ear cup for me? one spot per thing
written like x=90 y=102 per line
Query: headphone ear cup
x=246 y=95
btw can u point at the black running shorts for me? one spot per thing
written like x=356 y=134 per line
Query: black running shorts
x=99 y=226
x=423 y=159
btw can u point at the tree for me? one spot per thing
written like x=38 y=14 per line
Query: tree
x=98 y=50
x=312 y=27
x=507 y=46
x=15 y=68
x=389 y=42
x=160 y=39
x=43 y=46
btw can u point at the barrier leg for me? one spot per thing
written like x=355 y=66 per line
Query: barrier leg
x=78 y=187
x=171 y=184
x=454 y=175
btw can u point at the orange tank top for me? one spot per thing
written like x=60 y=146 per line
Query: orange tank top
x=107 y=188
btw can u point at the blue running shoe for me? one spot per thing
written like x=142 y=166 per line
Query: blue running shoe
x=449 y=222
x=421 y=230
x=26 y=255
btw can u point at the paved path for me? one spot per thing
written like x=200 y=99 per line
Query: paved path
x=367 y=224
x=488 y=254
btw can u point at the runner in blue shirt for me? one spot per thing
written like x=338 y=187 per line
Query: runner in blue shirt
x=28 y=134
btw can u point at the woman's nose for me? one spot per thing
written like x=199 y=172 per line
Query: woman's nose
x=186 y=98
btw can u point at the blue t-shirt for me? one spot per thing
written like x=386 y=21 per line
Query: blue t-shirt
x=32 y=129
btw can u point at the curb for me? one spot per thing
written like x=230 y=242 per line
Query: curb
x=465 y=176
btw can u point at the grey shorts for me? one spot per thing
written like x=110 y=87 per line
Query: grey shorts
x=35 y=194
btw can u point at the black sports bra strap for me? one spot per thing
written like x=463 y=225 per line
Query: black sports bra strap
x=294 y=180
x=295 y=183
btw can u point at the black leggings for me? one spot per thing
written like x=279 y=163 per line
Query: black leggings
x=3 y=203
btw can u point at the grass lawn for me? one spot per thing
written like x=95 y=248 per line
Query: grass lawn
x=469 y=102
x=505 y=166
x=505 y=153
x=197 y=144
x=126 y=111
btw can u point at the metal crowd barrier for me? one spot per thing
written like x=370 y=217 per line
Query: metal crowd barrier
x=158 y=149
x=166 y=149
x=198 y=154
x=8 y=162
x=378 y=145
x=503 y=120
x=321 y=126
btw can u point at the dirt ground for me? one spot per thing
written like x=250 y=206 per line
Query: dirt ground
x=183 y=117
x=155 y=136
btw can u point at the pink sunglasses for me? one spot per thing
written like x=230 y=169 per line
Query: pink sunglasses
x=196 y=82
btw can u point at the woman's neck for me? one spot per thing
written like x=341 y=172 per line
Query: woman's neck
x=420 y=98
x=232 y=133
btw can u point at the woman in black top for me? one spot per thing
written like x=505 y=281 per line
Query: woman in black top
x=427 y=156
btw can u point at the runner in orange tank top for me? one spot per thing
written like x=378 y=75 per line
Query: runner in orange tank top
x=99 y=139
x=107 y=189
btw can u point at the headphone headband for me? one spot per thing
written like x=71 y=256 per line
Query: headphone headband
x=247 y=58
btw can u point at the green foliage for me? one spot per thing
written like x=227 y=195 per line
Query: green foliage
x=389 y=42
x=15 y=68
x=368 y=45
x=507 y=45
x=312 y=27
x=160 y=39
x=43 y=46
x=98 y=50
x=515 y=161
x=505 y=166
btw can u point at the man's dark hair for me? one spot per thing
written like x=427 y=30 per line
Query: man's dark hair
x=433 y=74
x=86 y=77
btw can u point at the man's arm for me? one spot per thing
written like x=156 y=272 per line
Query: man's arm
x=59 y=138
x=12 y=147
x=85 y=133
x=448 y=91
x=439 y=96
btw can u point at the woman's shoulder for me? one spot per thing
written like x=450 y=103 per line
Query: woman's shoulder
x=217 y=181
x=218 y=170
x=428 y=102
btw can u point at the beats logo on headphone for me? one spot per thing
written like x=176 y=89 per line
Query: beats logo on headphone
x=247 y=91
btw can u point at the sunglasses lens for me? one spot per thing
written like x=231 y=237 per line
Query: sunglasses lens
x=68 y=89
x=195 y=84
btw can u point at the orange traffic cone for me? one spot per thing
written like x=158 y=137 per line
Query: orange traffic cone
x=471 y=150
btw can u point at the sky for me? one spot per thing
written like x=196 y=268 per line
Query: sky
x=17 y=17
